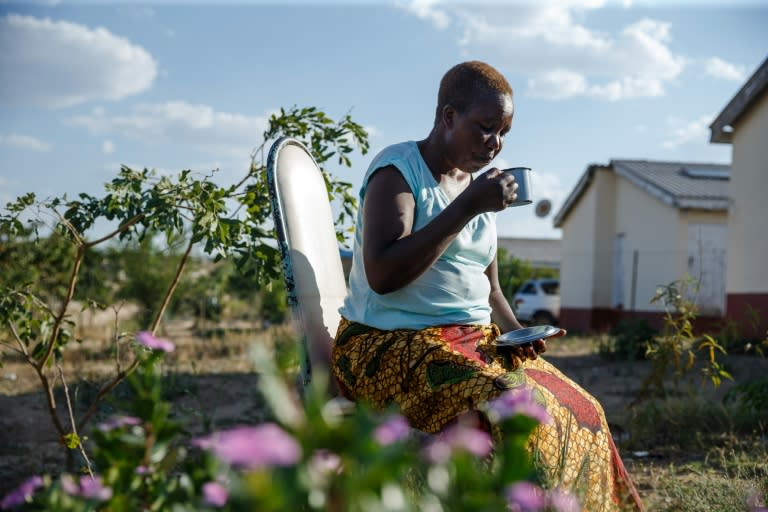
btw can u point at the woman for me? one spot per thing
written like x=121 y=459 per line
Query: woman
x=425 y=304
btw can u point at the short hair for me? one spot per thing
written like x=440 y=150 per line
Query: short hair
x=466 y=81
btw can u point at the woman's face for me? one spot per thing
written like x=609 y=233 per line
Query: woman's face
x=474 y=137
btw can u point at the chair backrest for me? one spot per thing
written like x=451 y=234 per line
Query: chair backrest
x=309 y=249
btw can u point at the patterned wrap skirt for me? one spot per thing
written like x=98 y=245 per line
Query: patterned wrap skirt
x=435 y=374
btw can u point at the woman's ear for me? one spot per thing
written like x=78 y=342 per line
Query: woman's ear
x=448 y=116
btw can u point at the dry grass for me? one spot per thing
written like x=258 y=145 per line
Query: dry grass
x=688 y=455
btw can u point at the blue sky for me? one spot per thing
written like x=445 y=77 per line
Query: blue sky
x=87 y=86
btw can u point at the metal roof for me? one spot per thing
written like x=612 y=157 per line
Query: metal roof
x=722 y=127
x=682 y=185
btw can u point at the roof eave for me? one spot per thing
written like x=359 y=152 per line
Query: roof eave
x=575 y=195
x=721 y=129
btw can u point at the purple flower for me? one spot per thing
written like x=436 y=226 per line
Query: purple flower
x=253 y=447
x=518 y=401
x=457 y=438
x=22 y=493
x=119 y=422
x=392 y=430
x=148 y=339
x=755 y=502
x=562 y=501
x=215 y=494
x=525 y=497
x=88 y=487
x=324 y=462
x=322 y=466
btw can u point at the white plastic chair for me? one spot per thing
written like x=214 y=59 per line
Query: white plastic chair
x=309 y=249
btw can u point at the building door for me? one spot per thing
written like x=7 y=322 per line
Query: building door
x=706 y=265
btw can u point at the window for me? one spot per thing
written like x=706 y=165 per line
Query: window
x=551 y=287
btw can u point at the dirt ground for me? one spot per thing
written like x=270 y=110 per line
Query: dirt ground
x=213 y=382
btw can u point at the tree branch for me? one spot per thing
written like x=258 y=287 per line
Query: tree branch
x=63 y=310
x=121 y=229
x=72 y=421
x=172 y=287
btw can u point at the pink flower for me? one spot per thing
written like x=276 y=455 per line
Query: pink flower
x=88 y=487
x=22 y=493
x=324 y=462
x=525 y=497
x=253 y=447
x=459 y=437
x=148 y=339
x=215 y=494
x=518 y=401
x=394 y=429
x=119 y=422
x=562 y=501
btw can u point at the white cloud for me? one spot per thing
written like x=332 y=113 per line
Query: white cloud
x=564 y=58
x=24 y=142
x=58 y=63
x=427 y=10
x=178 y=122
x=720 y=68
x=558 y=84
x=107 y=147
x=684 y=132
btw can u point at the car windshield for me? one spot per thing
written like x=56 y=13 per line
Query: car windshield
x=551 y=287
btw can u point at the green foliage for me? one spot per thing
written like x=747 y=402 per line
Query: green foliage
x=313 y=456
x=752 y=395
x=628 y=340
x=274 y=302
x=26 y=259
x=40 y=275
x=678 y=349
x=513 y=272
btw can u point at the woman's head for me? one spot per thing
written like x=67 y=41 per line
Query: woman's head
x=474 y=113
x=468 y=82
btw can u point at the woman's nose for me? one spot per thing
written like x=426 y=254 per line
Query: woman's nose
x=493 y=142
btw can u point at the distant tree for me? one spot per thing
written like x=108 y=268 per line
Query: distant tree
x=513 y=272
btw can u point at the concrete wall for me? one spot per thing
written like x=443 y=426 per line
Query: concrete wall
x=605 y=224
x=651 y=227
x=747 y=269
x=577 y=246
x=748 y=223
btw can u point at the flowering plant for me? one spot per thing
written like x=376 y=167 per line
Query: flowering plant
x=311 y=454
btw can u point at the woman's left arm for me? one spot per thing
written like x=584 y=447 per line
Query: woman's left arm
x=503 y=316
x=501 y=312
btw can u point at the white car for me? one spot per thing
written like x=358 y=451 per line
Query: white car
x=538 y=302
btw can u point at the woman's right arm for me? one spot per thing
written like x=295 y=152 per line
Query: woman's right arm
x=394 y=255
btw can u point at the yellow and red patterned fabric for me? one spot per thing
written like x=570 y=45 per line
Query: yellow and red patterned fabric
x=435 y=374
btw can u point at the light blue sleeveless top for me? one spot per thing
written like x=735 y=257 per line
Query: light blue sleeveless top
x=454 y=290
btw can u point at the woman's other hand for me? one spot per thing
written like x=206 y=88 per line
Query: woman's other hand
x=532 y=350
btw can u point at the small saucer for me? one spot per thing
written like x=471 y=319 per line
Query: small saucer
x=526 y=335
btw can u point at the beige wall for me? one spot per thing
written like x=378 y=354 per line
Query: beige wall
x=580 y=228
x=605 y=221
x=651 y=228
x=747 y=270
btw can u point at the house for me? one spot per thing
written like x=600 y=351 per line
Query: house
x=632 y=226
x=539 y=252
x=743 y=123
